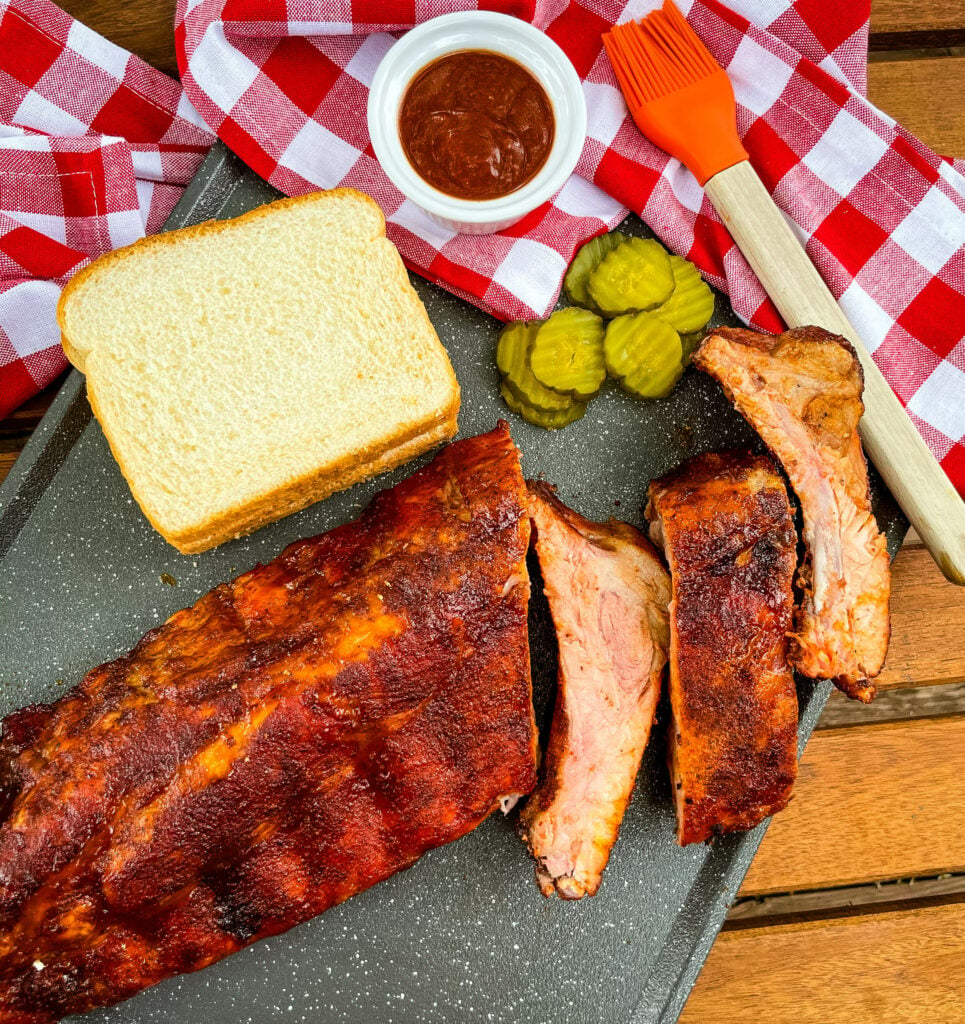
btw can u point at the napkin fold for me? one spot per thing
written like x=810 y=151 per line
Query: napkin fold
x=284 y=83
x=95 y=149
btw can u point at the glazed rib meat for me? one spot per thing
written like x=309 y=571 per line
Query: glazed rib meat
x=725 y=525
x=295 y=737
x=608 y=595
x=802 y=393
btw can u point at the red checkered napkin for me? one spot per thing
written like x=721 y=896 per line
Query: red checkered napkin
x=95 y=148
x=285 y=85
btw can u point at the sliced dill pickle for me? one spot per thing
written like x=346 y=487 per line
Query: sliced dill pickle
x=512 y=346
x=634 y=277
x=567 y=353
x=542 y=417
x=512 y=359
x=691 y=304
x=690 y=342
x=645 y=354
x=585 y=262
x=652 y=391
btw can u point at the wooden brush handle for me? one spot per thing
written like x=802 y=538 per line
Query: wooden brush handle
x=893 y=443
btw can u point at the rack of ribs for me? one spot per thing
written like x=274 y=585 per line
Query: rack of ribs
x=608 y=594
x=801 y=392
x=725 y=525
x=296 y=736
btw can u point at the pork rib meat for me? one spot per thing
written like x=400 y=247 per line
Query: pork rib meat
x=801 y=392
x=295 y=737
x=725 y=525
x=608 y=594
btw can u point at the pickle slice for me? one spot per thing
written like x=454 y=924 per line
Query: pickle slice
x=567 y=353
x=585 y=262
x=512 y=359
x=690 y=342
x=542 y=417
x=636 y=276
x=512 y=346
x=691 y=304
x=645 y=354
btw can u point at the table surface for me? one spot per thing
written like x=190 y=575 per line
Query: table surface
x=854 y=909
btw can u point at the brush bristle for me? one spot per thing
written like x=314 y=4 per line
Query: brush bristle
x=657 y=56
x=679 y=96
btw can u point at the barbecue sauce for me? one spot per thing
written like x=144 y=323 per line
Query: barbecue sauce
x=476 y=125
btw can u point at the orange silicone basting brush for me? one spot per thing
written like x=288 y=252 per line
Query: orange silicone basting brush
x=682 y=100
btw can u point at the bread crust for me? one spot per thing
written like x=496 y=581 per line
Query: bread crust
x=309 y=489
x=235 y=521
x=241 y=520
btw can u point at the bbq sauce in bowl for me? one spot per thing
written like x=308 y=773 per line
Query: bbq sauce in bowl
x=476 y=124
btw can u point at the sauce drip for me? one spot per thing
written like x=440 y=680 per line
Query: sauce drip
x=476 y=124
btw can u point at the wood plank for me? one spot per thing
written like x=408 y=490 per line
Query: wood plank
x=889 y=16
x=25 y=417
x=873 y=802
x=927 y=625
x=7 y=459
x=766 y=908
x=926 y=96
x=903 y=967
x=16 y=429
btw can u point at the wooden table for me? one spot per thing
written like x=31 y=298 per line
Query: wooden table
x=854 y=910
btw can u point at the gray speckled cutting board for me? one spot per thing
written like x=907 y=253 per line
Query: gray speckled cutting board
x=464 y=935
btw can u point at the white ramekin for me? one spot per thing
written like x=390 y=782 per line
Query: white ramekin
x=477 y=30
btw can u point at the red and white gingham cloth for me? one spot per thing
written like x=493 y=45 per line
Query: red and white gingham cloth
x=285 y=85
x=95 y=149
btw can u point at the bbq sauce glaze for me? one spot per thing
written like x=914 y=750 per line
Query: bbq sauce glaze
x=476 y=125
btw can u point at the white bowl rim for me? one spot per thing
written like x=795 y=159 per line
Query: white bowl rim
x=499 y=33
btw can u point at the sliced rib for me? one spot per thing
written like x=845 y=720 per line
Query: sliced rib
x=802 y=393
x=295 y=737
x=725 y=525
x=608 y=595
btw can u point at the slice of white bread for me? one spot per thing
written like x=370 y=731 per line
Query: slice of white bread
x=243 y=369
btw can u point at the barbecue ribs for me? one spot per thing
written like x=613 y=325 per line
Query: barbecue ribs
x=802 y=393
x=725 y=525
x=608 y=595
x=295 y=737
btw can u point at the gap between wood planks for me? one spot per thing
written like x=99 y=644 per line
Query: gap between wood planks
x=935 y=701
x=814 y=903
